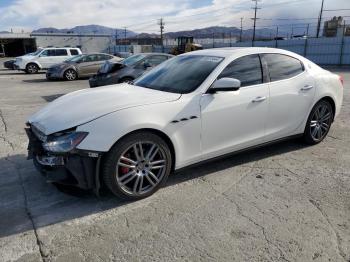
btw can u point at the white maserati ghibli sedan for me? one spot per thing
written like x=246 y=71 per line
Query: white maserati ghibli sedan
x=191 y=108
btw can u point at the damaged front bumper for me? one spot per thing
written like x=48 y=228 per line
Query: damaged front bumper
x=78 y=168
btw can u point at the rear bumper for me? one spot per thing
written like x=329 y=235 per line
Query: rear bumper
x=76 y=169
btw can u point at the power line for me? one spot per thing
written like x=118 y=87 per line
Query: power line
x=331 y=10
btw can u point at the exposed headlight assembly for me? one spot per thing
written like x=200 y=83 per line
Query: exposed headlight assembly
x=64 y=143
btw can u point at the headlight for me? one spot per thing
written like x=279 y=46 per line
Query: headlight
x=64 y=143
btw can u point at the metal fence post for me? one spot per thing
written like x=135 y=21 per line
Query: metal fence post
x=305 y=47
x=342 y=45
x=307 y=36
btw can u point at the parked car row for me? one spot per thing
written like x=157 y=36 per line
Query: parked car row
x=78 y=66
x=103 y=69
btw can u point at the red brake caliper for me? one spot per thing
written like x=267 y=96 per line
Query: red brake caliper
x=123 y=169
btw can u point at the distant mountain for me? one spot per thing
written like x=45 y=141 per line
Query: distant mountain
x=222 y=31
x=208 y=32
x=4 y=32
x=87 y=29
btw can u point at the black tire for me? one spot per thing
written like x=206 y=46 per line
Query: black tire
x=70 y=75
x=32 y=68
x=126 y=80
x=113 y=173
x=317 y=127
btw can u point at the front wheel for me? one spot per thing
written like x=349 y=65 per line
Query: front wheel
x=319 y=122
x=70 y=75
x=137 y=166
x=32 y=68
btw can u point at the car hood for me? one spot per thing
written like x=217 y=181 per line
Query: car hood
x=83 y=106
x=26 y=57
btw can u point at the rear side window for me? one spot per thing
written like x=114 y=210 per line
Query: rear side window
x=102 y=57
x=74 y=52
x=48 y=52
x=247 y=69
x=156 y=59
x=282 y=66
x=61 y=52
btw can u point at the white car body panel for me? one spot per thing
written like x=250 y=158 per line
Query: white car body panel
x=223 y=122
x=82 y=106
x=231 y=121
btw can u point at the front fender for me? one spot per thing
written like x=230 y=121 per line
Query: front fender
x=33 y=62
x=105 y=131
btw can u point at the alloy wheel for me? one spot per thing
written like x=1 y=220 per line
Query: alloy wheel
x=320 y=121
x=70 y=75
x=32 y=69
x=141 y=168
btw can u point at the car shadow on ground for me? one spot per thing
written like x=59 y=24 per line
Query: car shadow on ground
x=45 y=204
x=52 y=97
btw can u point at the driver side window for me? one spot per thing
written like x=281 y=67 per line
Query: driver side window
x=247 y=69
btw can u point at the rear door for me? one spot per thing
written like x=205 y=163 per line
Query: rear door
x=60 y=55
x=291 y=95
x=90 y=65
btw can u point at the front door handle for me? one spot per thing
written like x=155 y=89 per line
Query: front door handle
x=306 y=87
x=259 y=99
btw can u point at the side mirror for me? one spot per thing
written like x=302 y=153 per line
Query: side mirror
x=146 y=65
x=225 y=84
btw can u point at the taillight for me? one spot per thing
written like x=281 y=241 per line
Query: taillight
x=341 y=80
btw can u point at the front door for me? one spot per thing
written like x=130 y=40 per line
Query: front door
x=236 y=119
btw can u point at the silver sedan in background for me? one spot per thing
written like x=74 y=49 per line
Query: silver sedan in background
x=79 y=66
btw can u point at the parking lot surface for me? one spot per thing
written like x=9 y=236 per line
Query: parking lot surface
x=283 y=202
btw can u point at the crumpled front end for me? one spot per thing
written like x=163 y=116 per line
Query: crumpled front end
x=77 y=167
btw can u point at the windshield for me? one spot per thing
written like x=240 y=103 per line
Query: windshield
x=74 y=58
x=133 y=59
x=36 y=52
x=181 y=74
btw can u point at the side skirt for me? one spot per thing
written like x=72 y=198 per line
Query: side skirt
x=238 y=152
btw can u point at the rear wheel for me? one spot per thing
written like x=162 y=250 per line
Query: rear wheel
x=137 y=166
x=70 y=75
x=32 y=68
x=319 y=122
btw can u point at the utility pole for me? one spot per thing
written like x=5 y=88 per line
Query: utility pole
x=125 y=35
x=319 y=20
x=255 y=18
x=161 y=26
x=240 y=34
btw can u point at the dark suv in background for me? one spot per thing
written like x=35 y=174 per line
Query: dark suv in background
x=128 y=69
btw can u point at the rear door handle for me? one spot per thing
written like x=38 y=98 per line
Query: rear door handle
x=306 y=87
x=259 y=99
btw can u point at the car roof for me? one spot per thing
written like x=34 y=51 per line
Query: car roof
x=154 y=54
x=239 y=51
x=96 y=54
